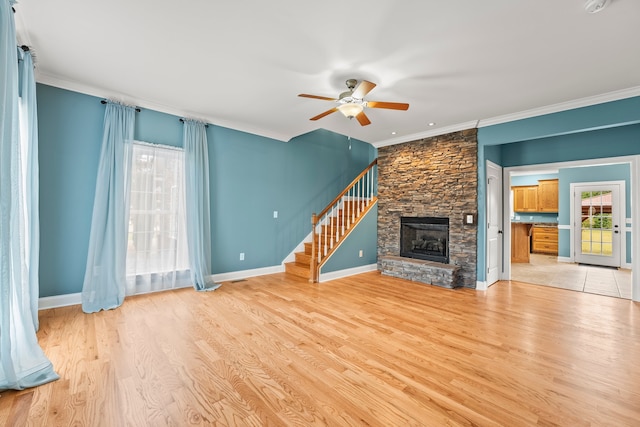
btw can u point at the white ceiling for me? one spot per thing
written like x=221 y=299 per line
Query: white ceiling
x=241 y=64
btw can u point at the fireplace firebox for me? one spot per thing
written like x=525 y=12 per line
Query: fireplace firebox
x=425 y=238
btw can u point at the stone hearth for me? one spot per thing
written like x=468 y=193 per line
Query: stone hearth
x=418 y=270
x=431 y=177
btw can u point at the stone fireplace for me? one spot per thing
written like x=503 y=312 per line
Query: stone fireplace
x=433 y=177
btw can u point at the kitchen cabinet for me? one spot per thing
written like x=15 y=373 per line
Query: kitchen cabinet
x=544 y=240
x=520 y=242
x=525 y=198
x=548 y=195
x=536 y=198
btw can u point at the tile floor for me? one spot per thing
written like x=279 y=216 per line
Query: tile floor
x=545 y=270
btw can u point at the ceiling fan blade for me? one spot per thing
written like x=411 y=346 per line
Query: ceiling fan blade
x=363 y=119
x=363 y=88
x=388 y=105
x=324 y=98
x=326 y=113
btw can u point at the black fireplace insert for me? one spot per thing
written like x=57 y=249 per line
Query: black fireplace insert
x=425 y=238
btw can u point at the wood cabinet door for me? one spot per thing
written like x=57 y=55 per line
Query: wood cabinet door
x=518 y=199
x=548 y=195
x=525 y=198
x=531 y=199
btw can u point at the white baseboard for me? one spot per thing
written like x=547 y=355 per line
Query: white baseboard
x=565 y=259
x=333 y=275
x=481 y=285
x=76 y=299
x=59 y=301
x=244 y=274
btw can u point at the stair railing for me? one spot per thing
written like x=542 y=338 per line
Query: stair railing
x=335 y=222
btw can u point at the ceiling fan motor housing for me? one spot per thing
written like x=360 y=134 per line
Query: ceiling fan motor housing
x=346 y=97
x=351 y=84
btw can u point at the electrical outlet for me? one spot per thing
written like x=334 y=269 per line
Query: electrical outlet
x=241 y=256
x=275 y=214
x=360 y=253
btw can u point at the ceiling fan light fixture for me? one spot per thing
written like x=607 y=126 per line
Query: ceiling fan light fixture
x=351 y=109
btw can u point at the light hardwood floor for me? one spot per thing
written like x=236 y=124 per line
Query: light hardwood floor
x=365 y=350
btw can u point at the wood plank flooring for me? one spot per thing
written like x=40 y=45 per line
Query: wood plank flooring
x=365 y=350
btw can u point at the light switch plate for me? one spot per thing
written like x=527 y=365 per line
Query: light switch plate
x=469 y=219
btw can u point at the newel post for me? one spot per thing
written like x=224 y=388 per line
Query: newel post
x=313 y=277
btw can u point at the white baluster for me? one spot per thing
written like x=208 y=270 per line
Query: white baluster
x=369 y=192
x=331 y=226
x=344 y=207
x=325 y=235
x=356 y=194
x=337 y=222
x=348 y=208
x=359 y=195
x=320 y=247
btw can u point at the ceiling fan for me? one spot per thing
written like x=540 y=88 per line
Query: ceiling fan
x=352 y=103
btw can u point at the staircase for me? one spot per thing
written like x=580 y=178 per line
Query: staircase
x=333 y=225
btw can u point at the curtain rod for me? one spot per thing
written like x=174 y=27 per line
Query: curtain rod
x=104 y=102
x=205 y=125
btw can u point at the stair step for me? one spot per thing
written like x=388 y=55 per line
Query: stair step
x=320 y=240
x=303 y=258
x=296 y=269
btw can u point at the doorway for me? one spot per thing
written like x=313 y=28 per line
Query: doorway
x=567 y=226
x=597 y=231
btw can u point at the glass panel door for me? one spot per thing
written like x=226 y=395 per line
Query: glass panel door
x=597 y=231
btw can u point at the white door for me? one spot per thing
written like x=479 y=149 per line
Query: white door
x=494 y=222
x=597 y=229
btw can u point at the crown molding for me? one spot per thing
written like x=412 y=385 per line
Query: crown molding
x=549 y=109
x=563 y=106
x=100 y=92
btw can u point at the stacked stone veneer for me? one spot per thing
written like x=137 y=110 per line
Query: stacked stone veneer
x=433 y=273
x=436 y=177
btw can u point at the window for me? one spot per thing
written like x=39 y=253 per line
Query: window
x=157 y=255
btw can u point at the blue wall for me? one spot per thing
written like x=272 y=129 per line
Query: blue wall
x=605 y=130
x=251 y=176
x=531 y=179
x=577 y=121
x=364 y=237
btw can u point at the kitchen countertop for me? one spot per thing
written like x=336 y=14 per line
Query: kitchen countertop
x=537 y=224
